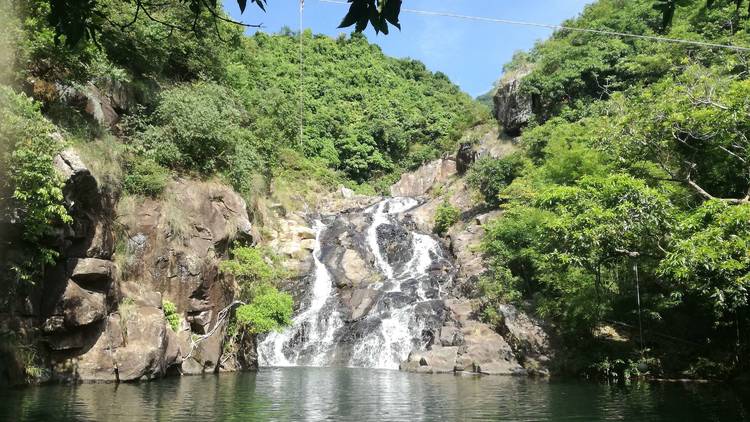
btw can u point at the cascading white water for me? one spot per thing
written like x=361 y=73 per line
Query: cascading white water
x=393 y=326
x=316 y=326
x=391 y=343
x=380 y=213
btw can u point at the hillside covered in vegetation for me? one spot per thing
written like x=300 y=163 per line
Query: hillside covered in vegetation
x=629 y=201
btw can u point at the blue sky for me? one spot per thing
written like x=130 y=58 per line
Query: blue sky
x=471 y=53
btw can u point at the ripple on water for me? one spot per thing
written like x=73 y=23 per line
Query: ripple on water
x=366 y=394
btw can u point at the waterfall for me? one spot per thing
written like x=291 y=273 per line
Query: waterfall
x=404 y=313
x=316 y=325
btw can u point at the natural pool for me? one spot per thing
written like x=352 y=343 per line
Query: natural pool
x=367 y=394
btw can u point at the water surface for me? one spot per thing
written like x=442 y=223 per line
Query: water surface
x=368 y=394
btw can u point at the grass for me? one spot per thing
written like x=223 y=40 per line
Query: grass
x=103 y=156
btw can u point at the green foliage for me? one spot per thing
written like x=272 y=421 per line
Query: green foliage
x=637 y=173
x=360 y=107
x=28 y=180
x=146 y=177
x=446 y=215
x=195 y=127
x=490 y=176
x=269 y=310
x=171 y=314
x=254 y=268
x=710 y=255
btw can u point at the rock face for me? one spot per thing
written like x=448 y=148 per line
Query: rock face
x=513 y=108
x=465 y=345
x=420 y=181
x=172 y=250
x=100 y=314
x=528 y=339
x=104 y=101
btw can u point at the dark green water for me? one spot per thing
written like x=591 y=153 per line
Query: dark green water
x=361 y=395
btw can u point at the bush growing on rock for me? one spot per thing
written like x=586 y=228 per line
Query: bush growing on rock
x=446 y=215
x=29 y=180
x=490 y=176
x=170 y=313
x=254 y=268
x=146 y=177
x=269 y=310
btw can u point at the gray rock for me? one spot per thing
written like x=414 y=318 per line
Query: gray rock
x=90 y=270
x=438 y=360
x=420 y=181
x=527 y=337
x=513 y=108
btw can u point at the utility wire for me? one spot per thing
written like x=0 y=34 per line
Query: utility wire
x=565 y=28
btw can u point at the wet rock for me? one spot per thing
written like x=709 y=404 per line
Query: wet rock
x=354 y=266
x=395 y=243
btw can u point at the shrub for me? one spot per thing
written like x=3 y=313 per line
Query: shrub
x=28 y=176
x=270 y=310
x=254 y=268
x=170 y=313
x=446 y=215
x=195 y=127
x=490 y=176
x=146 y=177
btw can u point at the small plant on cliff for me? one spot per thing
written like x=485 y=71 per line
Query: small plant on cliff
x=446 y=215
x=254 y=268
x=146 y=177
x=269 y=310
x=171 y=314
x=127 y=313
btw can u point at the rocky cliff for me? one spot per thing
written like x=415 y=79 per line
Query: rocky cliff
x=99 y=314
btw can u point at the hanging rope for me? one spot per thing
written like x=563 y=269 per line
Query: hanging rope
x=638 y=300
x=301 y=76
x=566 y=28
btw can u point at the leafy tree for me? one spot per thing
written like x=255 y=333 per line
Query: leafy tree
x=76 y=20
x=710 y=256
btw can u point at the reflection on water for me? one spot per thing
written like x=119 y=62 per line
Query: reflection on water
x=366 y=394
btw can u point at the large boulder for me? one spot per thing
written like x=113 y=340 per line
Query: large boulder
x=438 y=360
x=420 y=181
x=527 y=337
x=513 y=108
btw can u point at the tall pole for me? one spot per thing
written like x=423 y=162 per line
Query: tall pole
x=301 y=76
x=638 y=300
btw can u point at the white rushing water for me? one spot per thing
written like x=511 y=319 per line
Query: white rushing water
x=316 y=326
x=384 y=337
